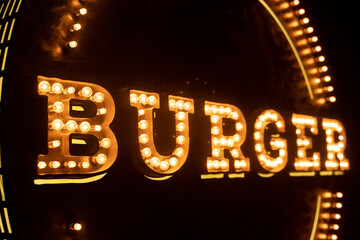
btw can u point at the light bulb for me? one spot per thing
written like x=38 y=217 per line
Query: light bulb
x=143 y=138
x=86 y=92
x=57 y=124
x=105 y=143
x=81 y=11
x=164 y=165
x=173 y=161
x=75 y=27
x=57 y=107
x=55 y=164
x=101 y=158
x=180 y=140
x=71 y=164
x=57 y=88
x=72 y=44
x=85 y=127
x=146 y=152
x=134 y=98
x=99 y=97
x=44 y=86
x=151 y=100
x=41 y=165
x=71 y=125
x=143 y=124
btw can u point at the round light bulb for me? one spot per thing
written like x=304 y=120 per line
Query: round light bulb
x=55 y=164
x=57 y=124
x=134 y=98
x=71 y=125
x=86 y=92
x=58 y=107
x=44 y=86
x=72 y=44
x=41 y=165
x=173 y=161
x=143 y=124
x=105 y=143
x=151 y=100
x=164 y=165
x=180 y=140
x=85 y=127
x=99 y=97
x=146 y=152
x=101 y=158
x=71 y=164
x=57 y=88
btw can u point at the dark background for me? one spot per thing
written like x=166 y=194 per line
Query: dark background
x=153 y=46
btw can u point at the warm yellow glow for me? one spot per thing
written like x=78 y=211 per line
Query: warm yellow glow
x=57 y=124
x=309 y=30
x=304 y=143
x=304 y=21
x=145 y=102
x=101 y=159
x=77 y=226
x=219 y=142
x=268 y=162
x=75 y=27
x=81 y=11
x=72 y=44
x=61 y=124
x=336 y=159
x=339 y=195
x=57 y=88
x=44 y=86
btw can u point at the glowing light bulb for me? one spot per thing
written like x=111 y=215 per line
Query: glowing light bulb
x=173 y=161
x=180 y=127
x=99 y=97
x=238 y=126
x=71 y=125
x=75 y=27
x=235 y=153
x=101 y=111
x=85 y=127
x=41 y=165
x=57 y=88
x=57 y=107
x=300 y=11
x=54 y=144
x=332 y=99
x=81 y=11
x=304 y=21
x=105 y=143
x=179 y=152
x=57 y=124
x=172 y=103
x=335 y=227
x=76 y=226
x=215 y=119
x=164 y=165
x=309 y=30
x=101 y=159
x=313 y=39
x=44 y=86
x=327 y=79
x=321 y=59
x=69 y=90
x=181 y=116
x=143 y=138
x=72 y=44
x=215 y=130
x=143 y=99
x=216 y=152
x=143 y=124
x=180 y=140
x=71 y=164
x=55 y=164
x=134 y=98
x=86 y=92
x=180 y=104
x=155 y=162
x=85 y=165
x=317 y=49
x=146 y=152
x=187 y=106
x=339 y=195
x=151 y=100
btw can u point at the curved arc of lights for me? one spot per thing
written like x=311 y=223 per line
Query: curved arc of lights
x=292 y=45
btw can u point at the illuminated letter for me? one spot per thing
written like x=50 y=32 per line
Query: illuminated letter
x=78 y=113
x=145 y=102
x=269 y=163
x=302 y=162
x=335 y=148
x=217 y=162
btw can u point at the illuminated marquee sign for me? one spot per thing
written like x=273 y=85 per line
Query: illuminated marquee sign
x=230 y=102
x=70 y=103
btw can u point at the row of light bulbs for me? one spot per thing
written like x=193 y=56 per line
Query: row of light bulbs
x=77 y=26
x=57 y=107
x=330 y=216
x=296 y=17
